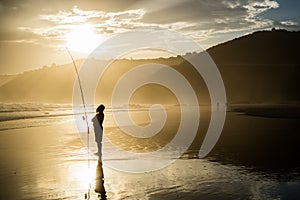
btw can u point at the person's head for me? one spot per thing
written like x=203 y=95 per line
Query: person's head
x=100 y=108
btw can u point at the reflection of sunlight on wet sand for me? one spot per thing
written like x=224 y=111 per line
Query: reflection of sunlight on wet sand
x=81 y=174
x=176 y=177
x=51 y=163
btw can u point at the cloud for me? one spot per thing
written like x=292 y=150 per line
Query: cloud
x=70 y=17
x=106 y=20
x=204 y=19
x=220 y=13
x=288 y=25
x=201 y=19
x=51 y=29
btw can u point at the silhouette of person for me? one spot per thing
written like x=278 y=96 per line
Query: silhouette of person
x=98 y=128
x=99 y=187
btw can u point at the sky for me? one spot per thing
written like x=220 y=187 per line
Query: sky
x=34 y=33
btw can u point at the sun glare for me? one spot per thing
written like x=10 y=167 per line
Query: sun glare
x=83 y=39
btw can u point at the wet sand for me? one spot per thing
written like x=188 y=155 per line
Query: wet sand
x=35 y=163
x=49 y=162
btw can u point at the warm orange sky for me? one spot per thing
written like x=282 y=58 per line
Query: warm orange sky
x=34 y=33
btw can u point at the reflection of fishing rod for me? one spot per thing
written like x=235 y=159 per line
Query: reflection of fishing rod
x=87 y=196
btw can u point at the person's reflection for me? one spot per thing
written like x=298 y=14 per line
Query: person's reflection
x=99 y=188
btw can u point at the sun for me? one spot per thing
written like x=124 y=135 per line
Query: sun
x=83 y=39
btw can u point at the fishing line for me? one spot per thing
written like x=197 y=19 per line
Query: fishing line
x=87 y=196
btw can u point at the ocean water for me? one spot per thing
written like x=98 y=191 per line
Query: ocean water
x=16 y=116
x=255 y=158
x=25 y=115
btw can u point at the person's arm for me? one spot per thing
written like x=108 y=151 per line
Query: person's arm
x=100 y=119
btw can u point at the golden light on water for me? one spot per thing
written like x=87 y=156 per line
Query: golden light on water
x=81 y=174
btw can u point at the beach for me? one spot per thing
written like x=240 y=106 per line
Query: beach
x=49 y=161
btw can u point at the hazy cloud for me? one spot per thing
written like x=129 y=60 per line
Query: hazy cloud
x=190 y=16
x=199 y=18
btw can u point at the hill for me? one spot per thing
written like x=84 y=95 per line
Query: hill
x=49 y=84
x=6 y=78
x=262 y=67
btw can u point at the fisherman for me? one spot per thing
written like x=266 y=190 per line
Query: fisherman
x=98 y=128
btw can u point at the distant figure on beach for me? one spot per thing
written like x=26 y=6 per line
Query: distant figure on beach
x=98 y=128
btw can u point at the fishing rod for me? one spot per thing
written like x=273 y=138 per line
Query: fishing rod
x=81 y=92
x=87 y=196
